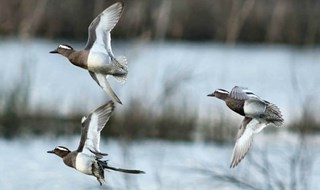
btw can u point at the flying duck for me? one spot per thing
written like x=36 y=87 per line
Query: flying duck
x=258 y=114
x=97 y=56
x=87 y=157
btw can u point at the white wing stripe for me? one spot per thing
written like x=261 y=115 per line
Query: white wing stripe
x=98 y=120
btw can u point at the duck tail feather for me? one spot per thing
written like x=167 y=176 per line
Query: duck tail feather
x=106 y=166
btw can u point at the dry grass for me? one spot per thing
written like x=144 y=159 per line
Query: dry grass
x=165 y=119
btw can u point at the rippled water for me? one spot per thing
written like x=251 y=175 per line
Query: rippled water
x=168 y=165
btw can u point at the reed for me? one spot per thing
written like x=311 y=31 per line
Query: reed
x=231 y=21
x=166 y=118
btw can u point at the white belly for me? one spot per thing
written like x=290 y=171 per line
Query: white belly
x=84 y=163
x=97 y=60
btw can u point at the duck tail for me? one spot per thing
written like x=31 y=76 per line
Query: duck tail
x=98 y=172
x=101 y=181
x=105 y=165
x=122 y=69
x=273 y=115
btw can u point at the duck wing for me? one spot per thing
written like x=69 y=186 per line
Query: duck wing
x=242 y=93
x=246 y=131
x=238 y=93
x=254 y=106
x=99 y=38
x=91 y=128
x=102 y=81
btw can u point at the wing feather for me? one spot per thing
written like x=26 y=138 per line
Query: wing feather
x=238 y=93
x=241 y=93
x=247 y=129
x=104 y=84
x=99 y=30
x=92 y=126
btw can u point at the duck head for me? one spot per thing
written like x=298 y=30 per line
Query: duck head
x=219 y=93
x=60 y=151
x=63 y=49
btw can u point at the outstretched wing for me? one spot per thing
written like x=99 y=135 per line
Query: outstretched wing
x=92 y=126
x=248 y=127
x=99 y=38
x=101 y=80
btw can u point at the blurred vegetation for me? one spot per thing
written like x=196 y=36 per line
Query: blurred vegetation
x=15 y=105
x=307 y=123
x=271 y=21
x=298 y=167
x=166 y=119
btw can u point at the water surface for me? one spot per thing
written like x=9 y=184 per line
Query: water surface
x=284 y=75
x=168 y=165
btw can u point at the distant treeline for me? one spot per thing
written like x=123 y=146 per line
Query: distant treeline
x=271 y=21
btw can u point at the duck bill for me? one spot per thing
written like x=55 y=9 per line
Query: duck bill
x=211 y=95
x=54 y=51
x=50 y=151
